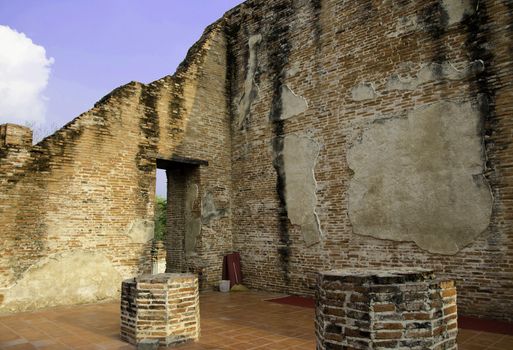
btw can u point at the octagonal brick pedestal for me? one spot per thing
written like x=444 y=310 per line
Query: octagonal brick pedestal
x=163 y=306
x=394 y=309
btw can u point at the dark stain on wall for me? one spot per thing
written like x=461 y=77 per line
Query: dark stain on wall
x=145 y=158
x=176 y=102
x=509 y=6
x=230 y=32
x=484 y=89
x=316 y=6
x=278 y=49
x=435 y=19
x=367 y=12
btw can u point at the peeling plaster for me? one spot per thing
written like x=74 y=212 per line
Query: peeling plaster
x=292 y=104
x=434 y=71
x=457 y=10
x=209 y=211
x=77 y=277
x=192 y=223
x=141 y=230
x=250 y=89
x=300 y=155
x=420 y=178
x=293 y=70
x=363 y=91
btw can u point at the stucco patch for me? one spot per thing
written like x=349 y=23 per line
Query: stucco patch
x=76 y=277
x=434 y=71
x=300 y=155
x=192 y=223
x=292 y=104
x=250 y=89
x=457 y=9
x=141 y=230
x=293 y=70
x=419 y=178
x=209 y=211
x=363 y=91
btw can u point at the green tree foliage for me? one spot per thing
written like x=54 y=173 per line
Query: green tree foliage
x=160 y=218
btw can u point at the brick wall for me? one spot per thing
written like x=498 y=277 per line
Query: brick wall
x=322 y=50
x=325 y=71
x=376 y=309
x=89 y=187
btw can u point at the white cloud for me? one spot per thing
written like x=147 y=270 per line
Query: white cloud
x=24 y=73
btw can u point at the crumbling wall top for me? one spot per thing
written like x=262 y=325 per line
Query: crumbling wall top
x=15 y=135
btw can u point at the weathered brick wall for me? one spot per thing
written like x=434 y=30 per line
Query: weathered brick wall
x=76 y=210
x=327 y=52
x=163 y=307
x=364 y=309
x=15 y=135
x=338 y=134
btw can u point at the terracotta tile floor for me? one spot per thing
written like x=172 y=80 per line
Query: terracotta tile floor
x=229 y=321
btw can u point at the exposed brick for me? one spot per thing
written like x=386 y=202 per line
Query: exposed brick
x=388 y=335
x=383 y=307
x=169 y=325
x=403 y=328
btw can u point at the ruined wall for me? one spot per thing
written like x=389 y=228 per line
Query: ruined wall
x=374 y=134
x=207 y=236
x=76 y=210
x=337 y=134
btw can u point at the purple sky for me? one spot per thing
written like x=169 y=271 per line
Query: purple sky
x=99 y=45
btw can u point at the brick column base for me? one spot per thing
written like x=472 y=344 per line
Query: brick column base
x=362 y=309
x=163 y=307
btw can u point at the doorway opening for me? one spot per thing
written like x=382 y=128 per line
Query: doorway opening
x=160 y=217
x=158 y=247
x=182 y=209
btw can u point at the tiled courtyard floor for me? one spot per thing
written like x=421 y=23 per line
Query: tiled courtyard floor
x=228 y=321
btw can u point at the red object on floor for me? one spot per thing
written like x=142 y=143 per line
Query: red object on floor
x=479 y=324
x=295 y=301
x=231 y=269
